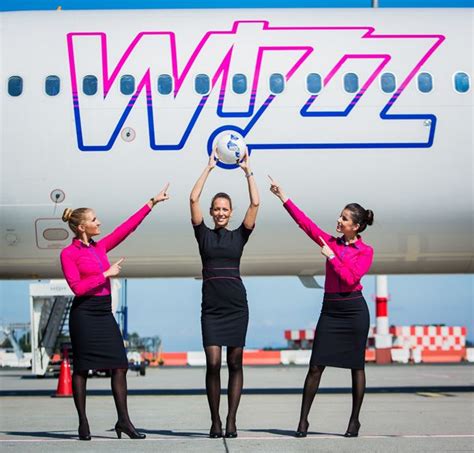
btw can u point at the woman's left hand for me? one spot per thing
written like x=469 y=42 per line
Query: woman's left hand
x=245 y=164
x=325 y=249
x=162 y=196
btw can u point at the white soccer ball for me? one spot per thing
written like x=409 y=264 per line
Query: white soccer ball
x=231 y=148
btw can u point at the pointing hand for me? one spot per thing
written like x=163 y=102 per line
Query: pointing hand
x=277 y=190
x=325 y=249
x=163 y=195
x=115 y=269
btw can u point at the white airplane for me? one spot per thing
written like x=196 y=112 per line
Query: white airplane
x=102 y=108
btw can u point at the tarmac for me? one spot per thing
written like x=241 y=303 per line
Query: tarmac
x=407 y=408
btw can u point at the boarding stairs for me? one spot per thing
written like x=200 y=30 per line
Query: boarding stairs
x=53 y=326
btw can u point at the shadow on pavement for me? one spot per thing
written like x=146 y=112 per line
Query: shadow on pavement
x=291 y=433
x=168 y=432
x=48 y=434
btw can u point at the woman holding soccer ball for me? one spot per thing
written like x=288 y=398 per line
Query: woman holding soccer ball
x=224 y=310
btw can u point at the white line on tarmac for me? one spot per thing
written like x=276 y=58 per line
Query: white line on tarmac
x=181 y=438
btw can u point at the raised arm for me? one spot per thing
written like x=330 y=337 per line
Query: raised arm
x=130 y=225
x=251 y=214
x=303 y=221
x=196 y=212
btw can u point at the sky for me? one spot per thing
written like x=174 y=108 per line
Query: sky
x=170 y=308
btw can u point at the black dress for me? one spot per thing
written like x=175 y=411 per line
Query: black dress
x=224 y=309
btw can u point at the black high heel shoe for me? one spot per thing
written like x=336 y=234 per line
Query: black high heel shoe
x=83 y=431
x=228 y=433
x=302 y=433
x=353 y=432
x=216 y=434
x=130 y=431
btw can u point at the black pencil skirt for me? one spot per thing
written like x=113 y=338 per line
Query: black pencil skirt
x=97 y=343
x=341 y=333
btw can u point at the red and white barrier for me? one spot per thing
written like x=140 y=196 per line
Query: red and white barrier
x=198 y=358
x=299 y=335
x=259 y=357
x=302 y=356
x=174 y=358
x=295 y=357
x=433 y=338
x=409 y=343
x=400 y=355
x=428 y=344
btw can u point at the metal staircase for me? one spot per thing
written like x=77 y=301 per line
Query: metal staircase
x=54 y=319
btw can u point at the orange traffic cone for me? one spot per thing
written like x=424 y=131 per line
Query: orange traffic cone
x=65 y=382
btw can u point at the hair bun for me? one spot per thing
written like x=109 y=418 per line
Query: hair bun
x=67 y=214
x=370 y=216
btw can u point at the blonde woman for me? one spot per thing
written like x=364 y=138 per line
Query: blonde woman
x=95 y=336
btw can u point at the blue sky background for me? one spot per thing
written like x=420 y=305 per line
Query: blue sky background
x=171 y=307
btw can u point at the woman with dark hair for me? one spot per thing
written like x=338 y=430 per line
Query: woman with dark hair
x=341 y=333
x=224 y=310
x=95 y=336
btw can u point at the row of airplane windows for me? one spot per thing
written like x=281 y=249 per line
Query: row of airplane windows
x=202 y=84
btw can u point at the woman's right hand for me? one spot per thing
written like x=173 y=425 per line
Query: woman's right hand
x=213 y=159
x=163 y=195
x=276 y=189
x=115 y=269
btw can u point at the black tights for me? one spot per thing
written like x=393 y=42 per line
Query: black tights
x=213 y=384
x=119 y=390
x=311 y=386
x=79 y=383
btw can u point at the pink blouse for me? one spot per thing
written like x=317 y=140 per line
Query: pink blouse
x=350 y=263
x=84 y=266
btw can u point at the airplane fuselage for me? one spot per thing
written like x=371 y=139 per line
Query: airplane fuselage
x=102 y=108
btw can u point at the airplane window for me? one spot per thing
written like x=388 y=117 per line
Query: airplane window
x=425 y=82
x=387 y=82
x=202 y=84
x=52 y=85
x=461 y=82
x=15 y=86
x=277 y=83
x=165 y=84
x=89 y=85
x=239 y=83
x=351 y=82
x=127 y=84
x=313 y=83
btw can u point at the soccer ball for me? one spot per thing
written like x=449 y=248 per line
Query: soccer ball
x=231 y=148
